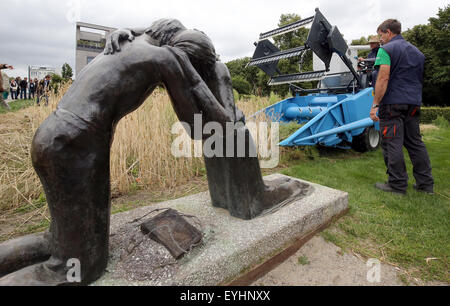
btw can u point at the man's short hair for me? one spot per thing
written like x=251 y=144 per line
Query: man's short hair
x=391 y=24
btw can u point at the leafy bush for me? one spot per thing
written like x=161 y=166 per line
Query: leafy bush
x=274 y=98
x=433 y=40
x=247 y=97
x=429 y=114
x=441 y=122
x=236 y=95
x=241 y=85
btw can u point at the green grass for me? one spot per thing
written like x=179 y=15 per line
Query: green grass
x=17 y=105
x=303 y=260
x=405 y=231
x=401 y=230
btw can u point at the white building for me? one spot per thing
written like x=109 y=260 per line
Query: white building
x=90 y=41
x=39 y=72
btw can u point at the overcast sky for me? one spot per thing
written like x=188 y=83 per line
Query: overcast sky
x=42 y=32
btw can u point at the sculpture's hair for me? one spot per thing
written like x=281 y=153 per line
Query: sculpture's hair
x=163 y=30
x=197 y=46
x=194 y=43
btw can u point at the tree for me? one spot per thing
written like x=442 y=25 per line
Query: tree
x=362 y=41
x=238 y=68
x=288 y=41
x=433 y=40
x=66 y=72
x=241 y=85
x=258 y=79
x=56 y=82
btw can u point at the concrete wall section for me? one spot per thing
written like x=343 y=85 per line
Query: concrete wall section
x=83 y=57
x=90 y=42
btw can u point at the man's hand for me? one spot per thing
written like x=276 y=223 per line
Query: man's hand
x=113 y=43
x=373 y=115
x=380 y=89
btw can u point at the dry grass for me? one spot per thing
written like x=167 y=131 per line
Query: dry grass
x=141 y=153
x=141 y=158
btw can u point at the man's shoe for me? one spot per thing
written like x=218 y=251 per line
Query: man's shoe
x=429 y=191
x=387 y=188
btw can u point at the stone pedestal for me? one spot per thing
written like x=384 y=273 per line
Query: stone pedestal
x=234 y=251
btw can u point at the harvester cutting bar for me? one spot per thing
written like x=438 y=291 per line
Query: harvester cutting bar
x=361 y=124
x=297 y=77
x=278 y=56
x=286 y=29
x=338 y=122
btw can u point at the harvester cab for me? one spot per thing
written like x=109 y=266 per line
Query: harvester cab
x=337 y=112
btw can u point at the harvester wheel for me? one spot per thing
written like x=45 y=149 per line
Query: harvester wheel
x=369 y=140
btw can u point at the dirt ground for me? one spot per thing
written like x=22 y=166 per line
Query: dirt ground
x=320 y=263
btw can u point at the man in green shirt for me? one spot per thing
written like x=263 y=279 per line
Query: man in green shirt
x=397 y=101
x=383 y=58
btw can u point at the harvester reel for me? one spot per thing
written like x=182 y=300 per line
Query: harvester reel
x=337 y=111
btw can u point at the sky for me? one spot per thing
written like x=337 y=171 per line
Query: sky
x=42 y=32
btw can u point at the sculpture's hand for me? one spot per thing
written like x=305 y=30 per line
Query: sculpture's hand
x=113 y=43
x=239 y=115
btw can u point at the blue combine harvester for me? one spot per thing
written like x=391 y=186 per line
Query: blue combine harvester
x=336 y=113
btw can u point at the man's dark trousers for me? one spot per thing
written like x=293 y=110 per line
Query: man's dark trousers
x=23 y=93
x=399 y=124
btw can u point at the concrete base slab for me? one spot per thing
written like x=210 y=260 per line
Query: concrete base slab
x=234 y=251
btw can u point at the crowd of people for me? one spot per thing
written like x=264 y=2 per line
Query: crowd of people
x=19 y=88
x=30 y=89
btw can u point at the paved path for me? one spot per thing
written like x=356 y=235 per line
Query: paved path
x=324 y=264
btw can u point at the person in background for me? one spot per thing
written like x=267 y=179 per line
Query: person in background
x=13 y=87
x=39 y=91
x=18 y=80
x=32 y=89
x=374 y=43
x=3 y=86
x=36 y=85
x=46 y=89
x=47 y=80
x=23 y=88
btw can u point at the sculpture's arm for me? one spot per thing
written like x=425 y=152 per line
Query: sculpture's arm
x=220 y=84
x=137 y=31
x=113 y=42
x=189 y=93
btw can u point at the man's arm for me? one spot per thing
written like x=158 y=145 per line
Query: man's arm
x=383 y=60
x=6 y=66
x=380 y=89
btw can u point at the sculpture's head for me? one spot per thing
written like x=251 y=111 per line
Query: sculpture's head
x=163 y=30
x=196 y=44
x=198 y=47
